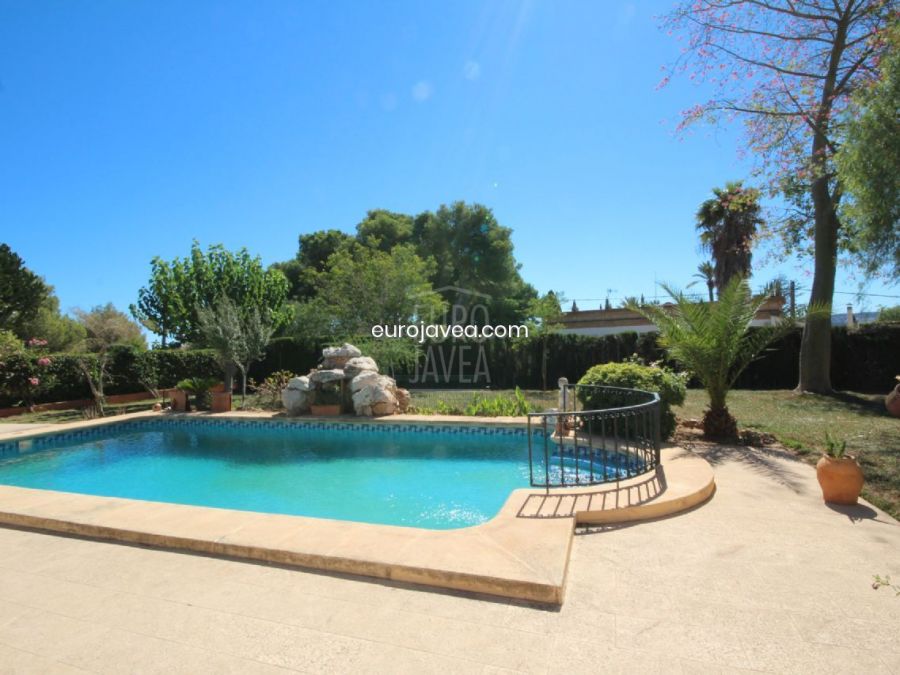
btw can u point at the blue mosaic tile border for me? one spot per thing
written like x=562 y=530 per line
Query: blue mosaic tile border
x=131 y=426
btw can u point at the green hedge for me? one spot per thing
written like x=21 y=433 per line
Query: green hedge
x=128 y=368
x=866 y=360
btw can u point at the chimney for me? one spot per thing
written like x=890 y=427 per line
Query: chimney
x=851 y=320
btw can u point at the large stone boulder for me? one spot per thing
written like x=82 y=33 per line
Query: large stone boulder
x=370 y=377
x=337 y=357
x=375 y=399
x=403 y=399
x=320 y=377
x=359 y=364
x=373 y=394
x=296 y=396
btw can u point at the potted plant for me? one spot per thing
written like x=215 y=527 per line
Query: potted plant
x=839 y=474
x=326 y=403
x=892 y=400
x=220 y=398
x=198 y=387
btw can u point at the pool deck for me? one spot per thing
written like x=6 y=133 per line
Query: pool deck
x=522 y=553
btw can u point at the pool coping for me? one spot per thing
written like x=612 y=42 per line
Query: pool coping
x=521 y=553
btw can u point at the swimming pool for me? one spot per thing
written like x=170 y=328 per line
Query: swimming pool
x=436 y=477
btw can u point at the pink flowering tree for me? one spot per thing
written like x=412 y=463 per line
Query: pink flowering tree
x=789 y=69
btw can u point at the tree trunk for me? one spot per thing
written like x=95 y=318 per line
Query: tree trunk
x=243 y=386
x=710 y=286
x=228 y=377
x=815 y=346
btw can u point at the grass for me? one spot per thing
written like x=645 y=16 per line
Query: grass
x=800 y=423
x=60 y=416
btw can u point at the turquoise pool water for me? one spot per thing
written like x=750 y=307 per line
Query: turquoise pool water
x=420 y=476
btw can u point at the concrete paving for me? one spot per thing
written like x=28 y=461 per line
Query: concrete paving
x=764 y=577
x=18 y=427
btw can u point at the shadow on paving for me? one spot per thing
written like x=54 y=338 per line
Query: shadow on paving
x=763 y=461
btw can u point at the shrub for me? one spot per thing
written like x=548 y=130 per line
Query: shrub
x=25 y=371
x=269 y=391
x=498 y=406
x=199 y=387
x=670 y=386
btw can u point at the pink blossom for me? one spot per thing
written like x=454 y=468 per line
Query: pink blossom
x=33 y=381
x=44 y=361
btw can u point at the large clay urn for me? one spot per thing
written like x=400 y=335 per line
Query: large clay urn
x=892 y=401
x=841 y=479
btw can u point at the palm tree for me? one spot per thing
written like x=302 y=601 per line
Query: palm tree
x=707 y=272
x=714 y=341
x=727 y=225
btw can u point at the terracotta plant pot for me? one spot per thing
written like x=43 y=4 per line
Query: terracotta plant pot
x=328 y=410
x=892 y=402
x=221 y=401
x=841 y=479
x=180 y=400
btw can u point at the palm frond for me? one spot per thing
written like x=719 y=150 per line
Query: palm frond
x=713 y=340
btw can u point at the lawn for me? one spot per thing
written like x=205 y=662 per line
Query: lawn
x=800 y=423
x=60 y=416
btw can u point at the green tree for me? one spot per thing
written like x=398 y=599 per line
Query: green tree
x=178 y=290
x=361 y=288
x=728 y=223
x=714 y=341
x=383 y=229
x=105 y=327
x=868 y=165
x=789 y=70
x=21 y=291
x=160 y=307
x=473 y=252
x=472 y=255
x=238 y=335
x=61 y=332
x=312 y=256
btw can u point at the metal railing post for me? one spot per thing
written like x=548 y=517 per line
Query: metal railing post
x=656 y=431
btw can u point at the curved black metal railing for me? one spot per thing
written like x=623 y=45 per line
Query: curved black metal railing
x=615 y=438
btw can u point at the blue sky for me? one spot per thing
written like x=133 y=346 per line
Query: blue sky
x=127 y=129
